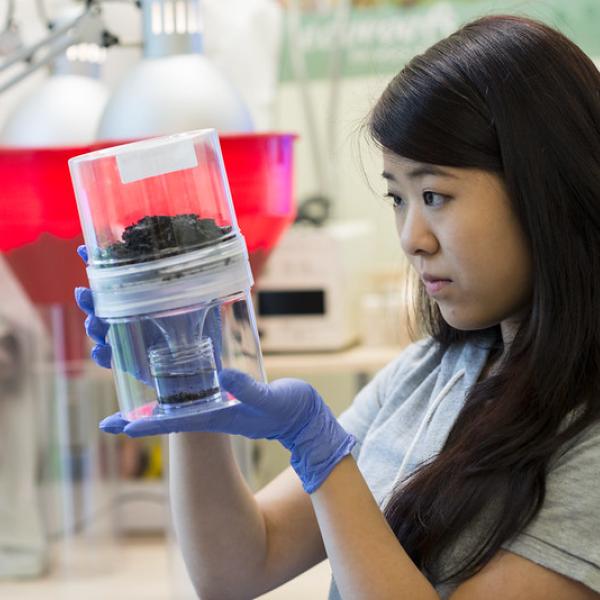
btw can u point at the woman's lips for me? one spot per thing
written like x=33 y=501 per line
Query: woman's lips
x=436 y=285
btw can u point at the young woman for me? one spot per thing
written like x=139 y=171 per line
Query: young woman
x=469 y=467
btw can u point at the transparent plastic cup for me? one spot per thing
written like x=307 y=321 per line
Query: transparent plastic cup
x=155 y=198
x=185 y=376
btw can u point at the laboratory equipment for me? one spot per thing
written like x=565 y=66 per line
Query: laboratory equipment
x=66 y=107
x=175 y=87
x=169 y=271
x=73 y=28
x=308 y=295
x=38 y=212
x=23 y=543
x=386 y=309
x=77 y=474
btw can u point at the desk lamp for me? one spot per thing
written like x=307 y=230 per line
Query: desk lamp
x=175 y=87
x=66 y=108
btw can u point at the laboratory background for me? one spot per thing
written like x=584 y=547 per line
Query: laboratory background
x=287 y=85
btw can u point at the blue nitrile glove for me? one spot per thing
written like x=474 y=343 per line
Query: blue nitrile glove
x=288 y=410
x=95 y=327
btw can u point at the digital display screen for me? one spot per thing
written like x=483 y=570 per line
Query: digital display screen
x=291 y=303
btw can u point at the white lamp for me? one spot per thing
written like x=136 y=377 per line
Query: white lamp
x=66 y=109
x=175 y=87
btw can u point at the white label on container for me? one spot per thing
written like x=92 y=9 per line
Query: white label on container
x=166 y=158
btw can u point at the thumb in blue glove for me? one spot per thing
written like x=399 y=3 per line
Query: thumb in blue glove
x=288 y=410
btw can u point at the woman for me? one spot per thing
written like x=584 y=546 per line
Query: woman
x=468 y=467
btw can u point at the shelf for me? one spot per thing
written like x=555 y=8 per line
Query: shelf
x=355 y=360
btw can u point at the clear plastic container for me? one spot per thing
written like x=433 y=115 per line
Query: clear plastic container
x=155 y=198
x=184 y=374
x=169 y=271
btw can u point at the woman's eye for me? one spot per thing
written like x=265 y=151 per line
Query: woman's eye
x=395 y=200
x=433 y=199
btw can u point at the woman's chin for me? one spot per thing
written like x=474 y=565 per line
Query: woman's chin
x=467 y=322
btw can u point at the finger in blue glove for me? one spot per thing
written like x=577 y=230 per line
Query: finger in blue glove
x=82 y=251
x=85 y=300
x=102 y=355
x=96 y=329
x=114 y=423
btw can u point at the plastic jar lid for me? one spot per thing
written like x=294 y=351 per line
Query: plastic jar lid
x=204 y=275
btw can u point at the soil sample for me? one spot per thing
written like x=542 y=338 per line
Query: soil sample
x=176 y=389
x=159 y=236
x=185 y=397
x=185 y=374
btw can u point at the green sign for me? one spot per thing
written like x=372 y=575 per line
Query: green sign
x=381 y=40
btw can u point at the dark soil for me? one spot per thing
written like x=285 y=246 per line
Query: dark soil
x=183 y=397
x=158 y=236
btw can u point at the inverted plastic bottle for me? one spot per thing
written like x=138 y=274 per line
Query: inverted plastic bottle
x=169 y=271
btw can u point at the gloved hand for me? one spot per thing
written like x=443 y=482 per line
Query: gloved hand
x=288 y=410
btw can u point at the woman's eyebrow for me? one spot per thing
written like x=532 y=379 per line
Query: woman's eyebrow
x=421 y=171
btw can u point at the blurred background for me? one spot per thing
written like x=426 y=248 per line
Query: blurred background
x=85 y=514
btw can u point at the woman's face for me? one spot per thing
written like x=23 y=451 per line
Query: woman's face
x=460 y=234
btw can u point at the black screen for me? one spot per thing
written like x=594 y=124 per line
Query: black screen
x=291 y=302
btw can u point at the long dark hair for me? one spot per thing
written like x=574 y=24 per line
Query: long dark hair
x=515 y=97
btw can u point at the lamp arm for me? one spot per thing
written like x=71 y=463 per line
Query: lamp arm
x=10 y=12
x=57 y=41
x=41 y=10
x=35 y=66
x=26 y=54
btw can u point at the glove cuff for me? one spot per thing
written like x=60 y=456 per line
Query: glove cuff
x=318 y=448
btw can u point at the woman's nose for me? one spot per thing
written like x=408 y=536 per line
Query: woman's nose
x=416 y=235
